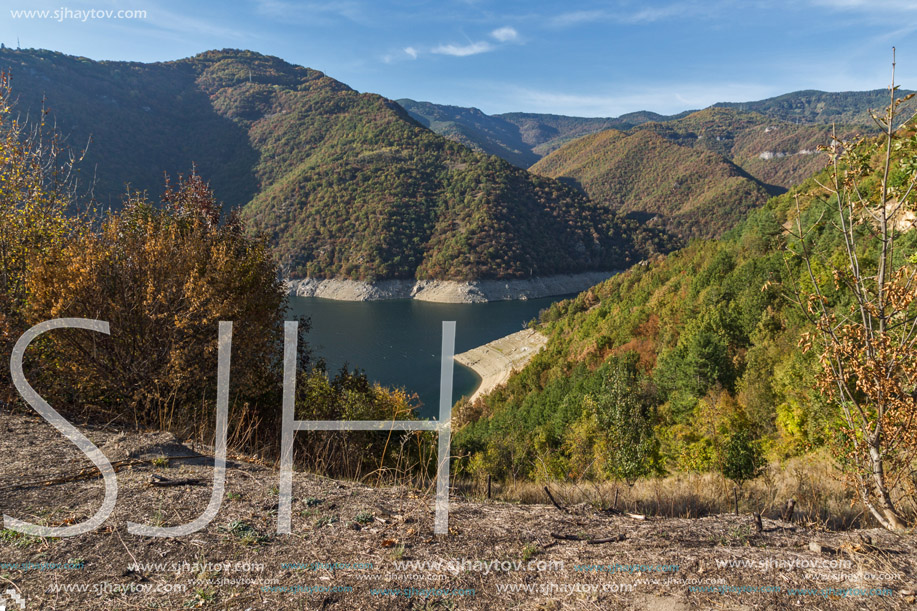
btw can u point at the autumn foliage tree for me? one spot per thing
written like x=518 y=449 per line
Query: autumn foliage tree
x=864 y=309
x=162 y=277
x=37 y=189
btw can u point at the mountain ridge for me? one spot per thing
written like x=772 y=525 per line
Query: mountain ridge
x=689 y=191
x=344 y=184
x=809 y=107
x=522 y=138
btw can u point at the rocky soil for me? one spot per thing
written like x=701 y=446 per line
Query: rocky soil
x=350 y=542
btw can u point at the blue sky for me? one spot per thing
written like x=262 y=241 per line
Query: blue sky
x=594 y=58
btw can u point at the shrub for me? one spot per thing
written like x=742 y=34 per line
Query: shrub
x=163 y=278
x=36 y=193
x=742 y=458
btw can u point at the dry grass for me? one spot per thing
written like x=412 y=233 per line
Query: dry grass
x=815 y=484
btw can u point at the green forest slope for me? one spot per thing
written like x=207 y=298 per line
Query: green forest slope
x=696 y=345
x=812 y=106
x=694 y=193
x=345 y=184
x=519 y=137
x=523 y=138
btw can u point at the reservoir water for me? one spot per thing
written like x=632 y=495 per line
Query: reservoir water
x=397 y=343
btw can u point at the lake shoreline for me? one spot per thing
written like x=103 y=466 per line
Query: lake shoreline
x=446 y=291
x=495 y=361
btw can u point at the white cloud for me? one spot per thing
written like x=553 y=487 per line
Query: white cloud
x=645 y=15
x=870 y=5
x=505 y=34
x=649 y=15
x=577 y=17
x=313 y=13
x=411 y=52
x=472 y=48
x=183 y=24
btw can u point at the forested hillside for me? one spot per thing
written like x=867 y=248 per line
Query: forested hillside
x=522 y=138
x=793 y=121
x=469 y=126
x=812 y=106
x=642 y=163
x=658 y=367
x=139 y=121
x=777 y=153
x=344 y=184
x=693 y=193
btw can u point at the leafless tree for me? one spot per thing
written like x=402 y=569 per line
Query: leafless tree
x=863 y=306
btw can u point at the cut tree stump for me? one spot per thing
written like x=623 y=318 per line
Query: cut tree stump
x=787 y=514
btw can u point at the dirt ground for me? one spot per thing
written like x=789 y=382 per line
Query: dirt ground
x=350 y=543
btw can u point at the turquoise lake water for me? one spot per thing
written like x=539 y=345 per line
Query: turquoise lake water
x=397 y=343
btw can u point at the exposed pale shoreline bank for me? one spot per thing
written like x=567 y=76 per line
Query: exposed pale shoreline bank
x=496 y=360
x=446 y=291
